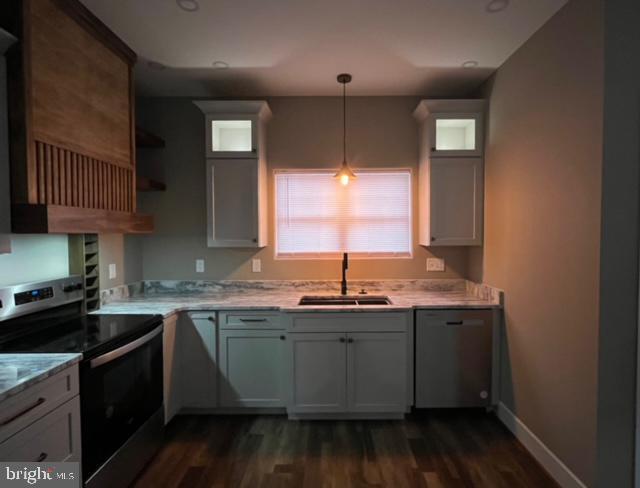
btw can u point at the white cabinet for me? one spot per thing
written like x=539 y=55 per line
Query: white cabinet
x=42 y=422
x=377 y=371
x=451 y=172
x=237 y=203
x=52 y=438
x=252 y=368
x=198 y=365
x=455 y=207
x=171 y=372
x=318 y=373
x=348 y=369
x=236 y=172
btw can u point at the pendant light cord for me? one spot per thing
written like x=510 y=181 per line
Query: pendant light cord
x=344 y=123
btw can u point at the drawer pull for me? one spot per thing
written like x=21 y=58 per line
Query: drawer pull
x=455 y=322
x=283 y=338
x=211 y=319
x=253 y=320
x=42 y=457
x=37 y=403
x=342 y=339
x=350 y=340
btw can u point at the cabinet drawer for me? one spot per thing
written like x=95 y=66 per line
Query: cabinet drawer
x=250 y=320
x=36 y=401
x=453 y=317
x=53 y=438
x=349 y=322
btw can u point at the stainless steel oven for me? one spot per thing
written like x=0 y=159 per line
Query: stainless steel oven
x=122 y=410
x=121 y=397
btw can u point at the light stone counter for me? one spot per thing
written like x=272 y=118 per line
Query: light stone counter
x=168 y=297
x=20 y=371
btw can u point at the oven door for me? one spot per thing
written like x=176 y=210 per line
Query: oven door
x=120 y=391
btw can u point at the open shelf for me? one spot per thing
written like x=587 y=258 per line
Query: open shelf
x=147 y=184
x=147 y=139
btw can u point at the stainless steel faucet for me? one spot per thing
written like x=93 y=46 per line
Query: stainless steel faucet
x=345 y=267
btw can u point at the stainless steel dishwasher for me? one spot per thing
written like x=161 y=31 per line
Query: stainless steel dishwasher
x=453 y=358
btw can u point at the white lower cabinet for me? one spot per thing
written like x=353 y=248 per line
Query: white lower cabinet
x=252 y=368
x=42 y=422
x=171 y=370
x=52 y=438
x=351 y=372
x=318 y=366
x=377 y=371
x=198 y=365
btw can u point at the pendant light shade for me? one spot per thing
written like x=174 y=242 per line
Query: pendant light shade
x=345 y=174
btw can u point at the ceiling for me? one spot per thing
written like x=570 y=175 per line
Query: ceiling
x=297 y=47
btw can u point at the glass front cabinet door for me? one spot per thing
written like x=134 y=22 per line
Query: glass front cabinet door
x=231 y=136
x=455 y=135
x=234 y=129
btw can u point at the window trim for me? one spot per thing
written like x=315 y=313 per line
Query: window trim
x=318 y=256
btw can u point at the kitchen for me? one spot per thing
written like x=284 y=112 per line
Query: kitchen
x=405 y=254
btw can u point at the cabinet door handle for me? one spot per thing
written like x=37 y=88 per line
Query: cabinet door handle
x=15 y=417
x=211 y=319
x=42 y=457
x=283 y=338
x=342 y=339
x=350 y=340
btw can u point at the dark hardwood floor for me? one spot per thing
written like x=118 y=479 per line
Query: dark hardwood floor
x=439 y=449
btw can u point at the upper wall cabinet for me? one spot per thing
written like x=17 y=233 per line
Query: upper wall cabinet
x=451 y=172
x=234 y=129
x=72 y=125
x=236 y=172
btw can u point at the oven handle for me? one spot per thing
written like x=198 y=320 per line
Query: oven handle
x=121 y=351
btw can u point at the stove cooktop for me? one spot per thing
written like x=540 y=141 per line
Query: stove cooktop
x=90 y=335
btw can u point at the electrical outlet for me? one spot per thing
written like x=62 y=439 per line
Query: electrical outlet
x=256 y=265
x=199 y=265
x=435 y=264
x=113 y=272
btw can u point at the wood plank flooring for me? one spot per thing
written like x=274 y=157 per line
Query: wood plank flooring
x=438 y=449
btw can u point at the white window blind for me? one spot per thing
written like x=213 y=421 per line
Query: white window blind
x=316 y=216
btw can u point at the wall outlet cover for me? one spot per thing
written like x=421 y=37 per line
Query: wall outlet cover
x=199 y=265
x=435 y=264
x=113 y=272
x=256 y=265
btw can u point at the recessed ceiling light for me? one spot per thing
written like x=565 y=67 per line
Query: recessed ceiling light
x=156 y=65
x=220 y=65
x=495 y=6
x=470 y=64
x=188 y=5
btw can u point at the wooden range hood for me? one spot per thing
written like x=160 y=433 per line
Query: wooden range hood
x=72 y=126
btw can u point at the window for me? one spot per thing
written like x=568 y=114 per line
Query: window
x=316 y=216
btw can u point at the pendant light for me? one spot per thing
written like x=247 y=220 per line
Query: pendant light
x=345 y=174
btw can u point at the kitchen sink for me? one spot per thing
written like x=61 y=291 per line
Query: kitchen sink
x=348 y=300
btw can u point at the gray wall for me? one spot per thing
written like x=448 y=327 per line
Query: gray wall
x=542 y=228
x=619 y=255
x=304 y=133
x=35 y=257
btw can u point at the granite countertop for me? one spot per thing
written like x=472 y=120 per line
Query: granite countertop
x=166 y=298
x=20 y=371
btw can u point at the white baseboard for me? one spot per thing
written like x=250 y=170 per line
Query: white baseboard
x=549 y=461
